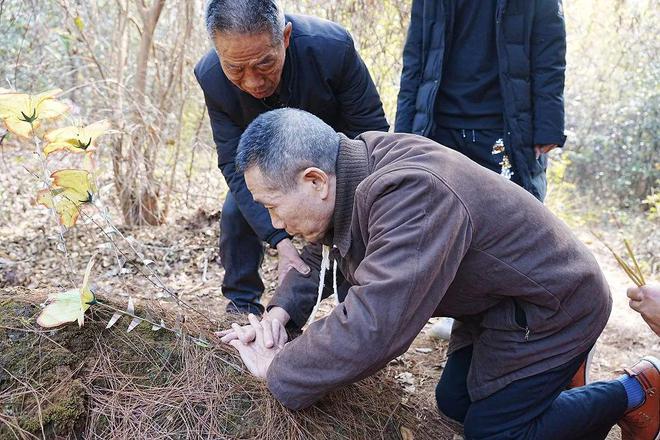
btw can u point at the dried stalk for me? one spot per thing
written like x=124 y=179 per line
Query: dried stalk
x=633 y=272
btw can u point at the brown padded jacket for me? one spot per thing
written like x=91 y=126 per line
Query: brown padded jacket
x=419 y=230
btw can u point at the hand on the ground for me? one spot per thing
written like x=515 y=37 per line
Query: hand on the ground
x=246 y=333
x=256 y=356
x=288 y=259
x=544 y=149
x=646 y=301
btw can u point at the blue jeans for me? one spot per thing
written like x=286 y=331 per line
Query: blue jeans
x=534 y=408
x=241 y=254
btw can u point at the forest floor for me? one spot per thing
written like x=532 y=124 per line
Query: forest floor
x=185 y=257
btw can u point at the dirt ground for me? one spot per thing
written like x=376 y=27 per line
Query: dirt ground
x=183 y=256
x=185 y=259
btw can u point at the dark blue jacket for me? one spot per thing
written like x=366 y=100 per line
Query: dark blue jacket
x=531 y=50
x=323 y=74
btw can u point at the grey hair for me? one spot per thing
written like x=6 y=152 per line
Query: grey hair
x=283 y=142
x=245 y=17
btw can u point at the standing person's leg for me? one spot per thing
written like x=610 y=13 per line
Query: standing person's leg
x=480 y=149
x=449 y=137
x=241 y=253
x=475 y=144
x=478 y=146
x=538 y=408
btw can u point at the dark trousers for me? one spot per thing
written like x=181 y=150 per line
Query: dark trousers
x=241 y=253
x=534 y=408
x=478 y=146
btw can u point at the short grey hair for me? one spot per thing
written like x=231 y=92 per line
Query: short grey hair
x=283 y=142
x=245 y=17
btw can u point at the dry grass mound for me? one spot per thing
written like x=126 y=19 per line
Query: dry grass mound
x=91 y=383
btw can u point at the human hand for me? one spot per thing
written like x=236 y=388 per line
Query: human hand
x=288 y=259
x=255 y=355
x=543 y=149
x=646 y=301
x=246 y=333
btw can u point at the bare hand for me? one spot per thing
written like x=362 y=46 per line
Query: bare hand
x=544 y=149
x=246 y=334
x=646 y=301
x=255 y=355
x=289 y=259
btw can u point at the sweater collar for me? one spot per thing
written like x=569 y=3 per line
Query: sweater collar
x=351 y=169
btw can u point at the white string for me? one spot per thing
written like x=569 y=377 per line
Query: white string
x=325 y=265
x=334 y=280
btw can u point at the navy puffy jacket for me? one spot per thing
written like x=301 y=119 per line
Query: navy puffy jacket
x=531 y=49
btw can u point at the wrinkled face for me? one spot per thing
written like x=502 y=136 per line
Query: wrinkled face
x=306 y=210
x=253 y=62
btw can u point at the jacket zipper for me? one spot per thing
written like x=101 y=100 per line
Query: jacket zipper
x=501 y=6
x=434 y=93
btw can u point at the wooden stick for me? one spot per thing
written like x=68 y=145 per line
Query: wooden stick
x=635 y=275
x=632 y=256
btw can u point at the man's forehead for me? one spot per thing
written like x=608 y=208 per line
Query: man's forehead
x=256 y=183
x=244 y=48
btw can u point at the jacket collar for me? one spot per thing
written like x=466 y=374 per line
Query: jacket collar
x=351 y=169
x=288 y=75
x=288 y=72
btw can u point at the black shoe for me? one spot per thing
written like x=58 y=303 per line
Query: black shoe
x=244 y=308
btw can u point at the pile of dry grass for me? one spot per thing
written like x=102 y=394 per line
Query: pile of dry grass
x=98 y=383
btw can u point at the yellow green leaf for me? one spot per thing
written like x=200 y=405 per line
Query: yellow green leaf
x=50 y=108
x=20 y=128
x=74 y=139
x=68 y=306
x=66 y=203
x=79 y=23
x=78 y=180
x=87 y=297
x=70 y=190
x=62 y=308
x=21 y=112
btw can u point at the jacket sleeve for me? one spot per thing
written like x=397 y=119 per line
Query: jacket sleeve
x=360 y=105
x=412 y=71
x=412 y=256
x=298 y=293
x=548 y=67
x=226 y=135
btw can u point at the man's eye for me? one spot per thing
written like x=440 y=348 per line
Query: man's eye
x=266 y=66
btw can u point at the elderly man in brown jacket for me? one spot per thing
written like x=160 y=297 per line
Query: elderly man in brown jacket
x=417 y=230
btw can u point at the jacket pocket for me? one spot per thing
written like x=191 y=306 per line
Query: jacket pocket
x=505 y=316
x=520 y=316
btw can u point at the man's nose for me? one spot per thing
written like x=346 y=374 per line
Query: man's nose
x=253 y=82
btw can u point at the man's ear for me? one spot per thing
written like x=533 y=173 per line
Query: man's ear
x=319 y=180
x=287 y=34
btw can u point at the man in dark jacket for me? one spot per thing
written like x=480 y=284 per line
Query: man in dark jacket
x=264 y=60
x=486 y=78
x=419 y=230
